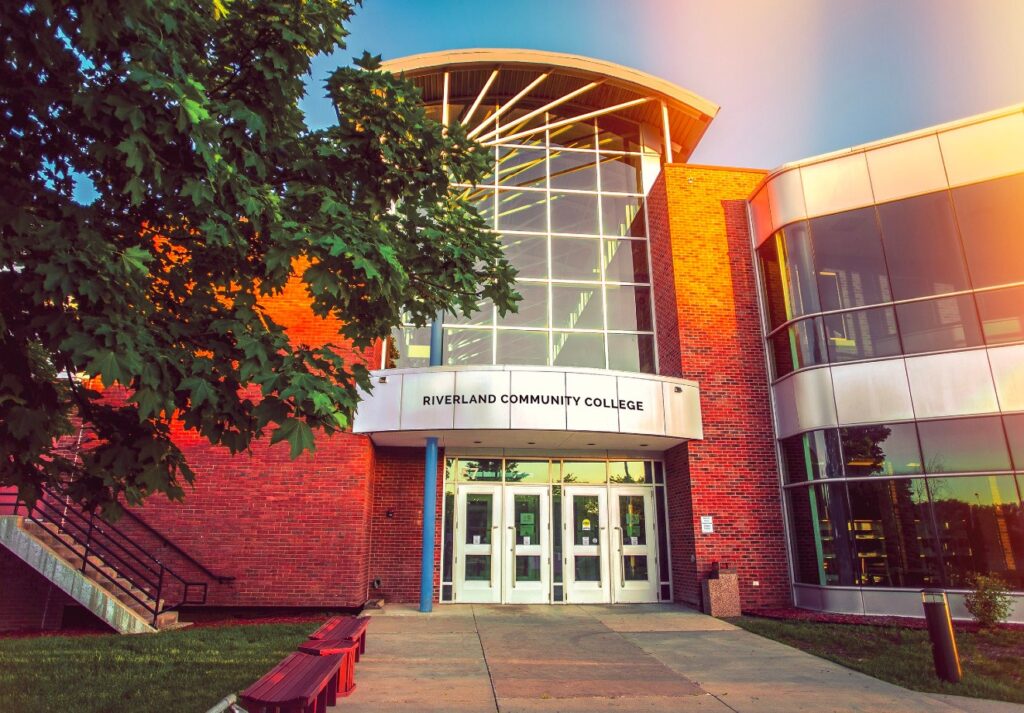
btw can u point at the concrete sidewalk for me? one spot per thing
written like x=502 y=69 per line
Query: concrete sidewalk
x=587 y=659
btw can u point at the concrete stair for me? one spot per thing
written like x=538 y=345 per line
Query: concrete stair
x=102 y=589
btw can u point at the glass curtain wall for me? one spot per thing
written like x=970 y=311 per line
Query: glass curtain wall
x=908 y=505
x=567 y=205
x=932 y=273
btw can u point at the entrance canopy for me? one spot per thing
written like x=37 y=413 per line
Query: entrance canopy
x=533 y=407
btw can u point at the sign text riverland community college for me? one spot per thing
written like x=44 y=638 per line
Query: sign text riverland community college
x=534 y=399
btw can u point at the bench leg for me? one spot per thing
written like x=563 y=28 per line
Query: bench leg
x=347 y=677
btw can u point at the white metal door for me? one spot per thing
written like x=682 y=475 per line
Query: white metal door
x=634 y=565
x=585 y=544
x=477 y=541
x=526 y=561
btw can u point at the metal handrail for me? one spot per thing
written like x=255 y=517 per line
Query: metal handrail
x=222 y=578
x=74 y=529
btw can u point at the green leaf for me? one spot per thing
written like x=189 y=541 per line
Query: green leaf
x=298 y=435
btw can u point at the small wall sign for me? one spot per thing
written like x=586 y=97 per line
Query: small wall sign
x=707 y=525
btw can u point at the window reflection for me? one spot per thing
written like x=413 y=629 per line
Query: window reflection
x=1015 y=435
x=522 y=167
x=575 y=259
x=894 y=542
x=811 y=456
x=620 y=174
x=922 y=250
x=578 y=349
x=522 y=210
x=981 y=528
x=963 y=445
x=528 y=253
x=573 y=170
x=625 y=261
x=991 y=220
x=629 y=308
x=821 y=538
x=516 y=346
x=863 y=334
x=798 y=345
x=467 y=346
x=1002 y=315
x=574 y=213
x=576 y=307
x=881 y=450
x=631 y=352
x=934 y=325
x=533 y=307
x=849 y=261
x=623 y=216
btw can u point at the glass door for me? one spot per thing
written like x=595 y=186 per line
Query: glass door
x=634 y=563
x=477 y=518
x=584 y=543
x=527 y=556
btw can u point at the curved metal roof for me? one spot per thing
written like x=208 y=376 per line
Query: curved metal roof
x=590 y=85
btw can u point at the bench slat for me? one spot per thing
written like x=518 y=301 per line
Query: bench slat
x=298 y=679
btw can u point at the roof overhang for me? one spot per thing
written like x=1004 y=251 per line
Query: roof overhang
x=470 y=71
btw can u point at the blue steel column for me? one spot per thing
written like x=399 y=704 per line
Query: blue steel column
x=430 y=491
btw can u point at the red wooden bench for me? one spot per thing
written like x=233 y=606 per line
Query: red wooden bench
x=330 y=647
x=344 y=627
x=299 y=684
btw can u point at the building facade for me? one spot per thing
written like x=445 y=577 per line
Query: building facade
x=814 y=376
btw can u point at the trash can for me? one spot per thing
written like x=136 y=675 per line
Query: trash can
x=721 y=591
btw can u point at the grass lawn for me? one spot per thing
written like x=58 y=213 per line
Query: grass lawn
x=993 y=661
x=186 y=670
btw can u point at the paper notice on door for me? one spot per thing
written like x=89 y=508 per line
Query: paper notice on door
x=633 y=540
x=585 y=525
x=586 y=540
x=476 y=539
x=526 y=541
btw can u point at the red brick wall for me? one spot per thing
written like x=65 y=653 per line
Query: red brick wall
x=732 y=473
x=292 y=533
x=27 y=599
x=396 y=543
x=663 y=281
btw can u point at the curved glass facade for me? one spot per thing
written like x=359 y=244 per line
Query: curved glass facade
x=567 y=203
x=907 y=504
x=931 y=273
x=904 y=504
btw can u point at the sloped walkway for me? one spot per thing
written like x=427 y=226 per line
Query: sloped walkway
x=588 y=659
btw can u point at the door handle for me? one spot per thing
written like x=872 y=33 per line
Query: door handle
x=513 y=550
x=490 y=570
x=622 y=559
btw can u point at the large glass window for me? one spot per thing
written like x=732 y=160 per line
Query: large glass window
x=798 y=345
x=981 y=527
x=894 y=541
x=1002 y=315
x=862 y=334
x=935 y=325
x=964 y=445
x=991 y=219
x=849 y=261
x=788 y=268
x=821 y=538
x=811 y=456
x=570 y=212
x=881 y=450
x=921 y=246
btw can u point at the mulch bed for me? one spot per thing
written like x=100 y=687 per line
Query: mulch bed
x=792 y=614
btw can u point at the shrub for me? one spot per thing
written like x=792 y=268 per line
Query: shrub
x=989 y=601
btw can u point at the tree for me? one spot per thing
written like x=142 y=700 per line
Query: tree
x=210 y=194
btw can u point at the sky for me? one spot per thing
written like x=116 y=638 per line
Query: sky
x=794 y=78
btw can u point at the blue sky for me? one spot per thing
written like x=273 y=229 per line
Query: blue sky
x=794 y=78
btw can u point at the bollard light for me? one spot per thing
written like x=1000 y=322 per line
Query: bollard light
x=940 y=631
